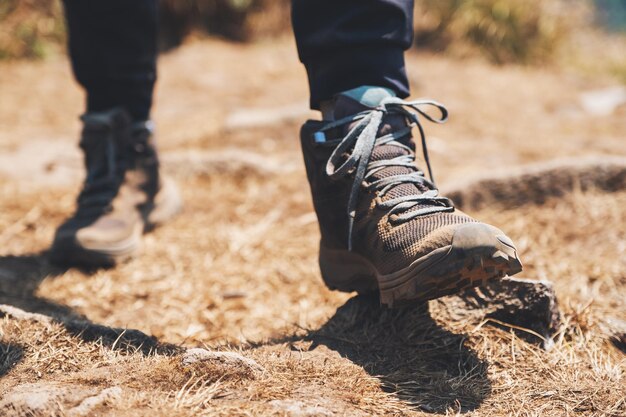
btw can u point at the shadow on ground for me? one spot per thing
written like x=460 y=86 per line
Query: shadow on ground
x=10 y=355
x=20 y=277
x=415 y=358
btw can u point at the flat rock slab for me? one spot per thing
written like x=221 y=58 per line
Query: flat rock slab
x=19 y=314
x=603 y=101
x=524 y=304
x=49 y=399
x=223 y=362
x=536 y=183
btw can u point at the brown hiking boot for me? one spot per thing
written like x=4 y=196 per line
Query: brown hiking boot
x=123 y=194
x=383 y=225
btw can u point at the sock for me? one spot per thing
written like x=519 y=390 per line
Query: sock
x=368 y=95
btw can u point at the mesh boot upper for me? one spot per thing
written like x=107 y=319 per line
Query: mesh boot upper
x=388 y=240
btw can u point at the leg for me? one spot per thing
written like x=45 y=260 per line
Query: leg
x=112 y=45
x=384 y=227
x=113 y=51
x=347 y=44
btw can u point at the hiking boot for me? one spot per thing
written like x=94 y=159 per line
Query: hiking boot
x=383 y=224
x=122 y=196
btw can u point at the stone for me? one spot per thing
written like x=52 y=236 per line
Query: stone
x=40 y=399
x=230 y=361
x=86 y=406
x=20 y=314
x=51 y=399
x=536 y=183
x=603 y=101
x=528 y=305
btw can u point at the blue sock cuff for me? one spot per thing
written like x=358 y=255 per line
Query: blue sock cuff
x=369 y=95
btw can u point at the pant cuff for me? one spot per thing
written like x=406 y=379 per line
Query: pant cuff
x=341 y=71
x=134 y=96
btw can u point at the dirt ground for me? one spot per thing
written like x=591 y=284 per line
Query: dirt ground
x=237 y=271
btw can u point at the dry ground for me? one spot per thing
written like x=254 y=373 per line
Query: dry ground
x=237 y=272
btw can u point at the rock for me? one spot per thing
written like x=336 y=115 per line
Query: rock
x=524 y=304
x=535 y=183
x=31 y=399
x=51 y=399
x=604 y=101
x=19 y=314
x=40 y=399
x=88 y=404
x=228 y=362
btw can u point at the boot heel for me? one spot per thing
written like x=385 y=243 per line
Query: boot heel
x=346 y=271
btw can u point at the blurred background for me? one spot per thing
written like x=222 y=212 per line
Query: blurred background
x=503 y=31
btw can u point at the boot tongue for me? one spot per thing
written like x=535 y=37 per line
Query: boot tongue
x=355 y=101
x=102 y=141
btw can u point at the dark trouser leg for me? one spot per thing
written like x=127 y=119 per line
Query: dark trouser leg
x=112 y=45
x=346 y=44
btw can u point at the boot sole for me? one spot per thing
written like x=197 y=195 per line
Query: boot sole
x=74 y=254
x=168 y=203
x=477 y=254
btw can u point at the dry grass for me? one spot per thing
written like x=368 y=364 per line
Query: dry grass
x=520 y=31
x=502 y=31
x=30 y=28
x=238 y=270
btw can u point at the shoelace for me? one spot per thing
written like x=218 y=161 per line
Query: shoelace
x=362 y=139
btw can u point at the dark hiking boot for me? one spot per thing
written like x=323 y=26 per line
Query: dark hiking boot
x=123 y=194
x=383 y=224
